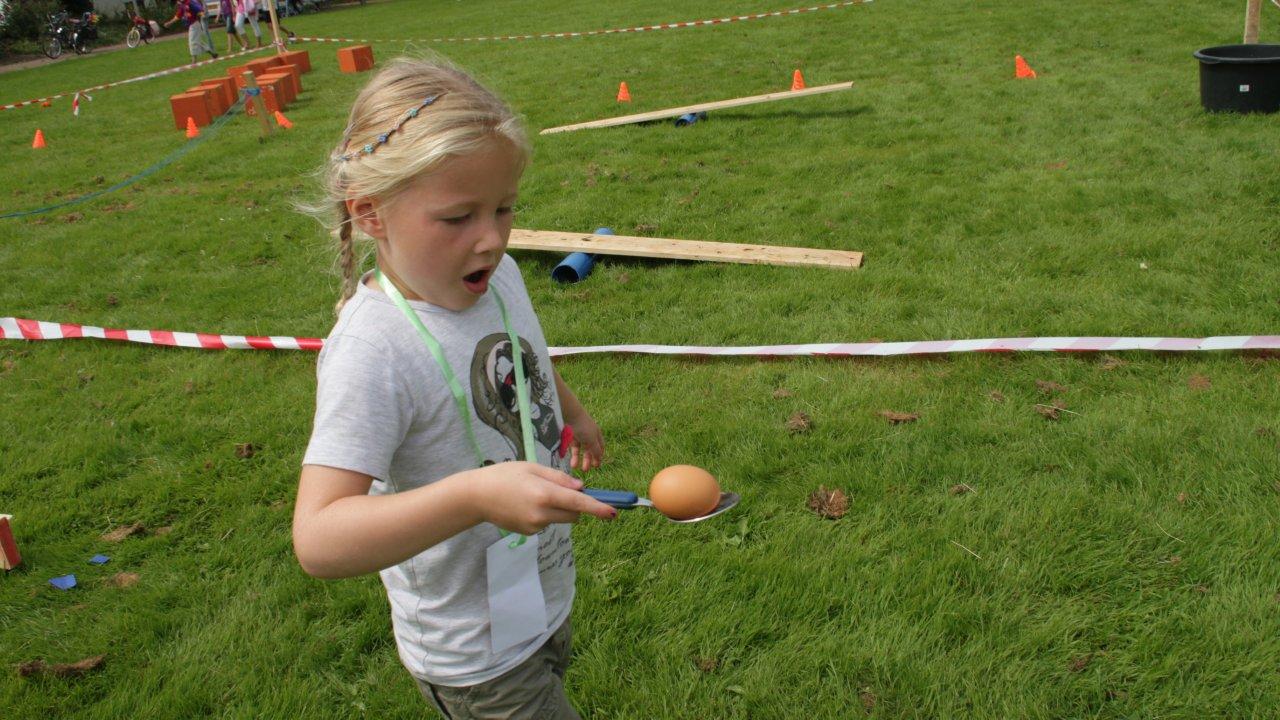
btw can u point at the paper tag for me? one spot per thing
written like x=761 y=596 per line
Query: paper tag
x=517 y=609
x=1244 y=88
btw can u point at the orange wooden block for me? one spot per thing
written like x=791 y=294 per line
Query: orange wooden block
x=227 y=87
x=295 y=71
x=213 y=95
x=283 y=82
x=301 y=58
x=260 y=66
x=235 y=73
x=274 y=60
x=272 y=94
x=356 y=58
x=193 y=105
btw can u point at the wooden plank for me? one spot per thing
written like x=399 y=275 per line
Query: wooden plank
x=682 y=249
x=717 y=105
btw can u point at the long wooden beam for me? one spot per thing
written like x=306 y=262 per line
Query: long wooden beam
x=717 y=105
x=682 y=249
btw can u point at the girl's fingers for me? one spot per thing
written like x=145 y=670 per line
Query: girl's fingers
x=571 y=504
x=555 y=476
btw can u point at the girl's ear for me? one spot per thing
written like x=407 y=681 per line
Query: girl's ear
x=367 y=216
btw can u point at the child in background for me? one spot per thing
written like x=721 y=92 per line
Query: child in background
x=248 y=10
x=227 y=14
x=442 y=434
x=191 y=13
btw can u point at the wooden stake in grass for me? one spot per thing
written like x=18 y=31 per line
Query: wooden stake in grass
x=1252 y=17
x=255 y=96
x=275 y=28
x=701 y=107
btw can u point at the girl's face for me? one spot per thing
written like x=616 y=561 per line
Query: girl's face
x=442 y=237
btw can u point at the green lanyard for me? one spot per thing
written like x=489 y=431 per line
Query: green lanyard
x=460 y=395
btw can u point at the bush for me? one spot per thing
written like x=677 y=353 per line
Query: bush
x=26 y=20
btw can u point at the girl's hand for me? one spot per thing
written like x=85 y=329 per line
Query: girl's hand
x=524 y=497
x=586 y=449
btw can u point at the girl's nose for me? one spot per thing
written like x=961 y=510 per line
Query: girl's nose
x=492 y=238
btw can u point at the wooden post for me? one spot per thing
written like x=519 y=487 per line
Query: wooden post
x=1252 y=16
x=275 y=26
x=255 y=97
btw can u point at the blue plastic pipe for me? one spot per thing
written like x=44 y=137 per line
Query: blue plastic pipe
x=690 y=118
x=577 y=266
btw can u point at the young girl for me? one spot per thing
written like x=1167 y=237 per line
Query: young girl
x=227 y=13
x=442 y=433
x=248 y=10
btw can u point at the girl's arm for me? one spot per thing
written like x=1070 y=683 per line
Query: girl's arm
x=570 y=407
x=340 y=531
x=587 y=450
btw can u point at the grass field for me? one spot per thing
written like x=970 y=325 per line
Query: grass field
x=1129 y=563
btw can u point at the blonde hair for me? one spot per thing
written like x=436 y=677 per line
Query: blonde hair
x=464 y=117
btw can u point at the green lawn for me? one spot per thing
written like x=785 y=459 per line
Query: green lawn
x=1129 y=563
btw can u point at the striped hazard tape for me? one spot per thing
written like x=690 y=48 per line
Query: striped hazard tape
x=148 y=76
x=21 y=329
x=611 y=31
x=541 y=36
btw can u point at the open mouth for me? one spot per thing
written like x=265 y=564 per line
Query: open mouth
x=478 y=281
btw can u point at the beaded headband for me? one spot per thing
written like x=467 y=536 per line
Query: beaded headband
x=382 y=139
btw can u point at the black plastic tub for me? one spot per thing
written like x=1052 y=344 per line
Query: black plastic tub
x=1240 y=78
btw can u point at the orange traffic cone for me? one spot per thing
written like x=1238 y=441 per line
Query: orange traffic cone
x=1021 y=69
x=192 y=130
x=797 y=80
x=624 y=95
x=283 y=121
x=38 y=143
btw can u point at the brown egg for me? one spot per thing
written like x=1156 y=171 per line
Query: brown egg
x=683 y=491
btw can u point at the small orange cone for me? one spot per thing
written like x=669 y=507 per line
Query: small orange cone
x=797 y=80
x=624 y=95
x=38 y=143
x=1021 y=69
x=283 y=121
x=192 y=130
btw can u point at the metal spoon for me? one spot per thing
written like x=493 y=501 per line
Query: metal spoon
x=624 y=500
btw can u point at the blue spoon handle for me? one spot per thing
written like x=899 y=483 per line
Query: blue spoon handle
x=620 y=499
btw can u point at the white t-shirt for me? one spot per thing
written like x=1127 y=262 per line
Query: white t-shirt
x=384 y=409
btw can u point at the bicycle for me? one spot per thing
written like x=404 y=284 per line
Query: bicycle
x=73 y=33
x=143 y=31
x=59 y=35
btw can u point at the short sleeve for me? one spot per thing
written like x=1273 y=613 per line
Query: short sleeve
x=363 y=408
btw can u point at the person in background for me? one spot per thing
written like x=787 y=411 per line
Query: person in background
x=227 y=13
x=248 y=10
x=191 y=13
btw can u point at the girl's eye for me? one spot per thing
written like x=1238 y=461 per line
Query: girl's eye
x=457 y=220
x=505 y=211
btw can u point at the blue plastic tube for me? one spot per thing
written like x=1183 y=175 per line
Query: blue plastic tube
x=690 y=118
x=577 y=266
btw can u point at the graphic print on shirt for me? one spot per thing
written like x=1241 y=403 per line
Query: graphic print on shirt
x=493 y=392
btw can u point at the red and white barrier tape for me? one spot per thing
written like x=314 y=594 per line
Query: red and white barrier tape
x=21 y=329
x=611 y=31
x=148 y=76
